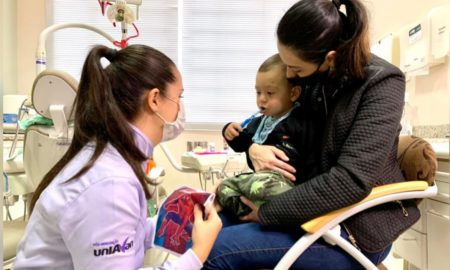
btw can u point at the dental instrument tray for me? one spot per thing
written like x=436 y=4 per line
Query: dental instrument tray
x=207 y=161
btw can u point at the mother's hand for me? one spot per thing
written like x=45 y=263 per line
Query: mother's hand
x=266 y=157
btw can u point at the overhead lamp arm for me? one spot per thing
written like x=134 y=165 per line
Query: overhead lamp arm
x=41 y=54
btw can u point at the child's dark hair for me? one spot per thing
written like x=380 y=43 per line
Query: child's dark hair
x=314 y=27
x=108 y=98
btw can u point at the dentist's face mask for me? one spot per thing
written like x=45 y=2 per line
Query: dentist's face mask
x=173 y=129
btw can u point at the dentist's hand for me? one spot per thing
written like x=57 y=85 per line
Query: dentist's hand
x=265 y=157
x=204 y=232
x=232 y=131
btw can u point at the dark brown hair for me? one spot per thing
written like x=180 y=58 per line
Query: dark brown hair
x=108 y=98
x=312 y=28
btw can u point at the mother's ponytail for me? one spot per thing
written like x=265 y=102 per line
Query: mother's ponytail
x=353 y=53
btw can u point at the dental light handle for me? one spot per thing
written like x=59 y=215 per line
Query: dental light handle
x=124 y=26
x=41 y=55
x=137 y=3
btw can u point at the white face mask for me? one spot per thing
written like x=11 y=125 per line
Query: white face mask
x=173 y=129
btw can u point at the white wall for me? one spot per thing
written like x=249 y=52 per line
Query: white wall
x=4 y=61
x=388 y=16
x=21 y=23
x=429 y=95
x=9 y=51
x=32 y=19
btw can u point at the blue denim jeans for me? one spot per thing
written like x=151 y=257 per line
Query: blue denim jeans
x=251 y=246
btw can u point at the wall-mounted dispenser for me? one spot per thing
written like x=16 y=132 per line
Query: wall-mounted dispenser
x=388 y=49
x=440 y=41
x=425 y=43
x=415 y=45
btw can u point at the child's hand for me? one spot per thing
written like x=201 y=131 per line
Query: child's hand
x=232 y=131
x=204 y=232
x=253 y=215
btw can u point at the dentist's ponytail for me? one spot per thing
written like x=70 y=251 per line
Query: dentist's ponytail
x=108 y=99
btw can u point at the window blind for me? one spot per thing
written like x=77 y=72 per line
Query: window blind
x=217 y=45
x=224 y=42
x=67 y=48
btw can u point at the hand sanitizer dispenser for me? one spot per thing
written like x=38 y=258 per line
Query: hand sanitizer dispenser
x=439 y=19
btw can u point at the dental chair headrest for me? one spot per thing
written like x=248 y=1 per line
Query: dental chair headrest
x=53 y=87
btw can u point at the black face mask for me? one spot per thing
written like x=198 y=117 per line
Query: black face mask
x=311 y=85
x=310 y=80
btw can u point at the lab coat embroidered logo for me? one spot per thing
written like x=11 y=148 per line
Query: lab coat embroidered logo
x=112 y=247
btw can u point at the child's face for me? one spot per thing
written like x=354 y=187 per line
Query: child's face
x=273 y=92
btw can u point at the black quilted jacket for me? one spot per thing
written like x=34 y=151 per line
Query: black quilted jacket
x=288 y=136
x=358 y=152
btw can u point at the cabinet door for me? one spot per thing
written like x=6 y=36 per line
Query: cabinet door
x=438 y=235
x=411 y=246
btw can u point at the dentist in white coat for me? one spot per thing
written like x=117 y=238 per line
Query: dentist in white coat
x=90 y=210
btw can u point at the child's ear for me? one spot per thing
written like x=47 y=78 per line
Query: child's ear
x=296 y=91
x=153 y=99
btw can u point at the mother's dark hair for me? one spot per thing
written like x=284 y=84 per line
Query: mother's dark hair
x=312 y=28
x=108 y=98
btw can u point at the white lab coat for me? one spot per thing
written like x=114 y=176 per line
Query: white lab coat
x=97 y=221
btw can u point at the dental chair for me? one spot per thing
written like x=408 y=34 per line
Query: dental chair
x=13 y=169
x=418 y=163
x=12 y=233
x=52 y=96
x=16 y=184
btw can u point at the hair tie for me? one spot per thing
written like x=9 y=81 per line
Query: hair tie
x=337 y=3
x=111 y=55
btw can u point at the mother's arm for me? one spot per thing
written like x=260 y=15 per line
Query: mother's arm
x=362 y=157
x=265 y=157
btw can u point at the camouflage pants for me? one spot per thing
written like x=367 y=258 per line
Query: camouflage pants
x=258 y=187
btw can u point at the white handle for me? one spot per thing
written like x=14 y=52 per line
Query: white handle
x=41 y=55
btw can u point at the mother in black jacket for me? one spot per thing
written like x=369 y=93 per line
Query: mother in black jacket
x=354 y=104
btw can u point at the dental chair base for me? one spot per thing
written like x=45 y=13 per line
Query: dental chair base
x=12 y=234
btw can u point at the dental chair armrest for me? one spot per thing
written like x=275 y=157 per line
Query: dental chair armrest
x=378 y=195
